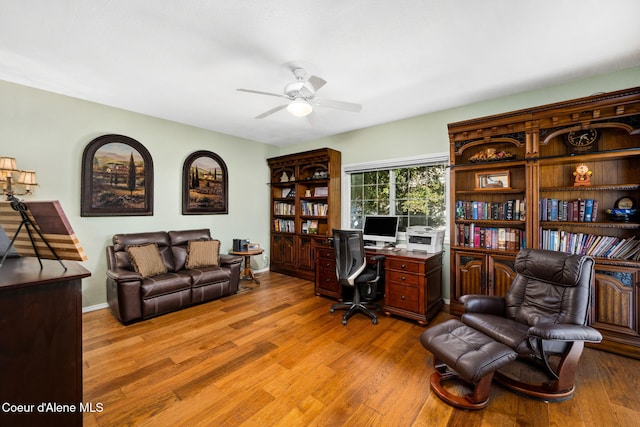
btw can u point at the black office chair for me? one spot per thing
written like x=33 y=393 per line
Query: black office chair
x=353 y=271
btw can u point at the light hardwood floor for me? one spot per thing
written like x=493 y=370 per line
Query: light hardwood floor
x=274 y=356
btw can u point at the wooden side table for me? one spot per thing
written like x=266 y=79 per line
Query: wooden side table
x=247 y=272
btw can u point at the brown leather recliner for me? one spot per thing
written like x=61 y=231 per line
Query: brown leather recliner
x=542 y=319
x=132 y=297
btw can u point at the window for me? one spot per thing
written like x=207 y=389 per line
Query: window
x=415 y=192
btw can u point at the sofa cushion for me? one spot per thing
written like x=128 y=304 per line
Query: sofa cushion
x=164 y=284
x=146 y=259
x=180 y=241
x=207 y=275
x=122 y=241
x=203 y=253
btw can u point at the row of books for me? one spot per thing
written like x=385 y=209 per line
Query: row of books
x=591 y=244
x=280 y=208
x=284 y=225
x=579 y=210
x=314 y=209
x=484 y=210
x=474 y=236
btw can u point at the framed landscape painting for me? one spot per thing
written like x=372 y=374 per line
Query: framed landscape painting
x=204 y=184
x=117 y=178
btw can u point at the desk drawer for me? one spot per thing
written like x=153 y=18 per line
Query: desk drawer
x=404 y=265
x=404 y=297
x=404 y=278
x=323 y=253
x=326 y=264
x=327 y=280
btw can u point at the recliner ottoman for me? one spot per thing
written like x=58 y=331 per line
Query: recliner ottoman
x=461 y=352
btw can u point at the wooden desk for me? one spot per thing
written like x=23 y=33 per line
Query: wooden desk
x=413 y=281
x=41 y=340
x=247 y=272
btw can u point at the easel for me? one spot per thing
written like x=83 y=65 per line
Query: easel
x=20 y=207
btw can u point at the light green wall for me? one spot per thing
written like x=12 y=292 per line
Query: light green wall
x=428 y=133
x=47 y=132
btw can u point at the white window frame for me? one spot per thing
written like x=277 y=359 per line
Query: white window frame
x=403 y=162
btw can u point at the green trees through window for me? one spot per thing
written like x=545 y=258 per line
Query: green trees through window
x=415 y=194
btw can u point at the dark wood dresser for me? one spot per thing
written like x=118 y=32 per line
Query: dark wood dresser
x=41 y=342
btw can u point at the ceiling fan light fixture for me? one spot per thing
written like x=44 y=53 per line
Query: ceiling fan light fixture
x=299 y=108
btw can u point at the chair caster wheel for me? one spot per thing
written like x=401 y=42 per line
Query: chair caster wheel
x=344 y=322
x=374 y=321
x=331 y=310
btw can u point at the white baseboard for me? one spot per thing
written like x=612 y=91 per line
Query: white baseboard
x=95 y=307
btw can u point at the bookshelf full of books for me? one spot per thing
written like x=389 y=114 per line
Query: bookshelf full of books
x=562 y=177
x=305 y=207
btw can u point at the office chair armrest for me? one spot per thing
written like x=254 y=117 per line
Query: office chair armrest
x=378 y=267
x=564 y=332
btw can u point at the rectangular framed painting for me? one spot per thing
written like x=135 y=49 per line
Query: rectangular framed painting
x=204 y=184
x=492 y=180
x=117 y=178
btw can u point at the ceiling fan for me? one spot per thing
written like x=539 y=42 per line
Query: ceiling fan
x=302 y=97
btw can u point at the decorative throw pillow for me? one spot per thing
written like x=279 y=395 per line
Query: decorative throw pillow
x=146 y=259
x=203 y=253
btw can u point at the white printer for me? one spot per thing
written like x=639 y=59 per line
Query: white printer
x=424 y=239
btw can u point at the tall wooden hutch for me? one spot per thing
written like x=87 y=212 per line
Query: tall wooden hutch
x=305 y=207
x=544 y=177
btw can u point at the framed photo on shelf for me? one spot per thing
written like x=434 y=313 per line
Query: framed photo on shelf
x=494 y=180
x=321 y=192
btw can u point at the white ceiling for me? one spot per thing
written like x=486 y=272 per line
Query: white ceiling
x=183 y=60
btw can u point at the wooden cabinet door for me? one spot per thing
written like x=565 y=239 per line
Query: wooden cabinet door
x=470 y=277
x=306 y=254
x=616 y=301
x=283 y=250
x=501 y=274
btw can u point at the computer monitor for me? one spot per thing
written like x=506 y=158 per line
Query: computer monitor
x=380 y=229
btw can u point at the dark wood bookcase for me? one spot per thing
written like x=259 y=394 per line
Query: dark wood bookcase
x=512 y=176
x=305 y=207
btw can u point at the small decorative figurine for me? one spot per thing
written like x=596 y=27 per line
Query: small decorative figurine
x=284 y=177
x=583 y=176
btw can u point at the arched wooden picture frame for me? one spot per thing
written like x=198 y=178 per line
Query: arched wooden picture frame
x=204 y=184
x=117 y=178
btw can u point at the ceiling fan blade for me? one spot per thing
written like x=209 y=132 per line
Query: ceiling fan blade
x=262 y=93
x=316 y=82
x=339 y=105
x=270 y=112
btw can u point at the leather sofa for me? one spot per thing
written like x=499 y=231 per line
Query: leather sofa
x=134 y=294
